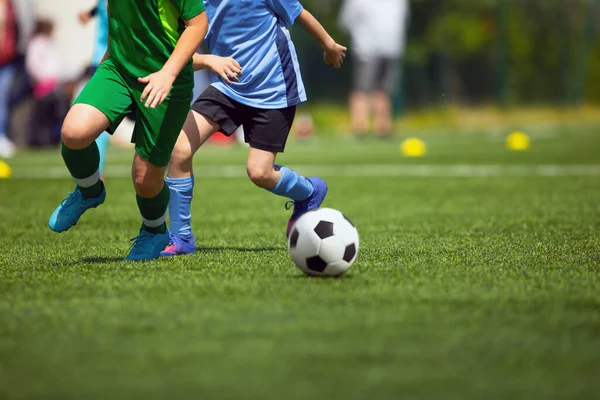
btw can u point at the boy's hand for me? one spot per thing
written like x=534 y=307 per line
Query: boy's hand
x=227 y=68
x=334 y=55
x=158 y=87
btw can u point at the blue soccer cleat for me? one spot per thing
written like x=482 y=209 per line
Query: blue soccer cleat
x=179 y=245
x=148 y=245
x=72 y=208
x=312 y=203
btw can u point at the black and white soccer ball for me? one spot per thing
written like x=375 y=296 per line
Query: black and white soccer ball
x=323 y=243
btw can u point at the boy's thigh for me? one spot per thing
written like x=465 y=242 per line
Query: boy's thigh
x=227 y=113
x=264 y=129
x=268 y=130
x=157 y=129
x=108 y=92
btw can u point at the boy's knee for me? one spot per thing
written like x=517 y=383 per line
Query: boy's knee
x=182 y=153
x=148 y=179
x=261 y=175
x=147 y=187
x=75 y=136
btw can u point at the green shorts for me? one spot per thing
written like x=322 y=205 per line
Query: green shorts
x=156 y=129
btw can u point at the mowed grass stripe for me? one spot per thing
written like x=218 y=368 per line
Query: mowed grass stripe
x=351 y=170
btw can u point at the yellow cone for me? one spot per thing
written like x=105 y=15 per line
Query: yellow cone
x=517 y=141
x=413 y=147
x=5 y=170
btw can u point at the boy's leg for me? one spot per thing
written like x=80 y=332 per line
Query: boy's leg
x=267 y=132
x=211 y=112
x=180 y=180
x=382 y=106
x=359 y=111
x=360 y=99
x=155 y=134
x=81 y=127
x=91 y=114
x=306 y=193
x=80 y=154
x=387 y=78
x=151 y=193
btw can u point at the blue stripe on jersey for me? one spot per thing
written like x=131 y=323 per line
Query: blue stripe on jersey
x=287 y=65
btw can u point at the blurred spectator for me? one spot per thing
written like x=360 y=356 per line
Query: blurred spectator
x=378 y=32
x=43 y=63
x=16 y=23
x=43 y=59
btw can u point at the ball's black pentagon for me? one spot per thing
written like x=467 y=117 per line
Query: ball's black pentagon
x=350 y=252
x=316 y=264
x=294 y=238
x=324 y=229
x=348 y=219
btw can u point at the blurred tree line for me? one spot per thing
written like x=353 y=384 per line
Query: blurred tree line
x=479 y=51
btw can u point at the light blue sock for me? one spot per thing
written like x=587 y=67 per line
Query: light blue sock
x=180 y=215
x=102 y=143
x=292 y=185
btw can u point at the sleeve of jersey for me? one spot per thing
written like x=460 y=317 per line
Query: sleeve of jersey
x=287 y=10
x=188 y=9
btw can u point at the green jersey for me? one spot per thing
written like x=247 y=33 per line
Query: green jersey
x=144 y=33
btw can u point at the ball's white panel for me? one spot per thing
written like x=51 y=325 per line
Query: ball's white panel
x=327 y=214
x=337 y=268
x=346 y=232
x=306 y=222
x=332 y=249
x=307 y=246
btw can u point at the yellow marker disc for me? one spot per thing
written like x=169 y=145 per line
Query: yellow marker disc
x=413 y=147
x=517 y=141
x=5 y=170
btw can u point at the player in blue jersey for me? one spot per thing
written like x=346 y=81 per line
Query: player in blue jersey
x=100 y=12
x=263 y=100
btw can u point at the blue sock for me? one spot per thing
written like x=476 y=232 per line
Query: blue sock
x=102 y=143
x=292 y=185
x=180 y=205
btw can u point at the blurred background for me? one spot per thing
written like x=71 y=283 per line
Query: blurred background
x=461 y=137
x=450 y=64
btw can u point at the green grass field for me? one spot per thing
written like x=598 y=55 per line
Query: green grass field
x=478 y=278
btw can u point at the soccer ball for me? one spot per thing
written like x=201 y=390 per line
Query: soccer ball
x=323 y=243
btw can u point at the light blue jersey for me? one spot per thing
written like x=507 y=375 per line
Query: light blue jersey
x=255 y=33
x=102 y=34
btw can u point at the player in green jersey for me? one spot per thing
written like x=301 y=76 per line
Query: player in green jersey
x=147 y=71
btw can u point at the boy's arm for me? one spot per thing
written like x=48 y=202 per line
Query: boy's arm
x=227 y=68
x=334 y=54
x=158 y=84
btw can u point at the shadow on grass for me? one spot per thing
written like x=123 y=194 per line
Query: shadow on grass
x=87 y=260
x=100 y=260
x=217 y=249
x=321 y=278
x=199 y=252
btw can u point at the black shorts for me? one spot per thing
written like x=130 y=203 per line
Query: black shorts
x=266 y=130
